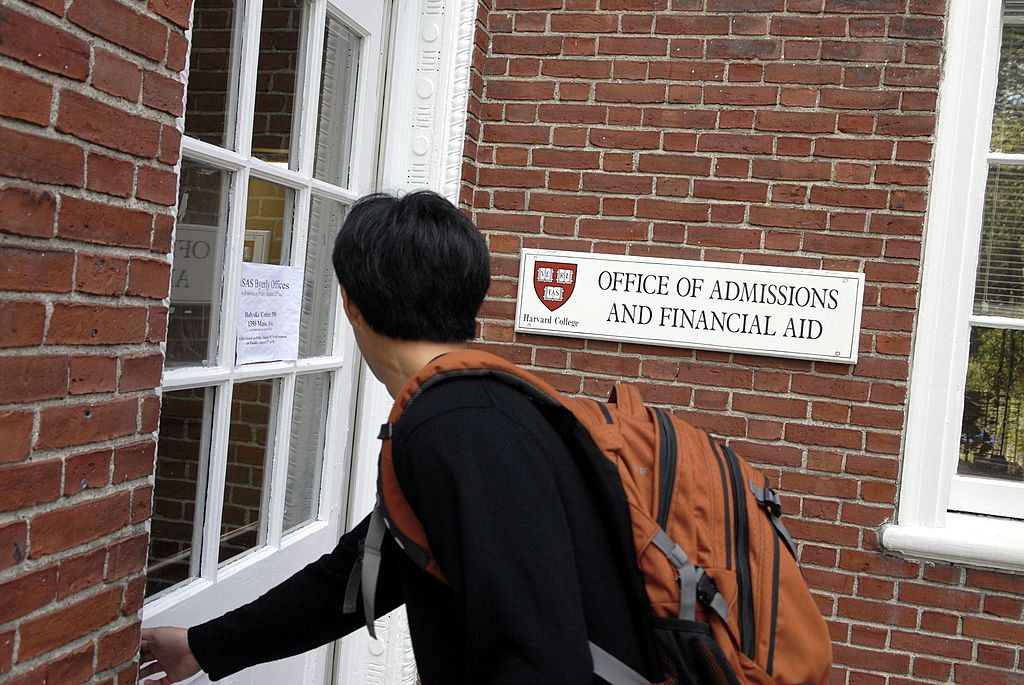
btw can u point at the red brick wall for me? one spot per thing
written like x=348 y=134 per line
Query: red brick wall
x=88 y=144
x=780 y=132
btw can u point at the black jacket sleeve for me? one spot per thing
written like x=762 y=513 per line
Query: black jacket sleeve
x=485 y=486
x=301 y=613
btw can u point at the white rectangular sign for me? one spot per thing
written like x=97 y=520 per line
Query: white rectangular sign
x=269 y=305
x=780 y=312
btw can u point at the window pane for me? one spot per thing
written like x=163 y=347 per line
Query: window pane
x=999 y=290
x=305 y=457
x=198 y=265
x=320 y=292
x=337 y=103
x=213 y=64
x=992 y=437
x=269 y=214
x=1008 y=119
x=276 y=82
x=249 y=458
x=181 y=463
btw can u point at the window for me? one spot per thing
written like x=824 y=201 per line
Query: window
x=250 y=454
x=962 y=489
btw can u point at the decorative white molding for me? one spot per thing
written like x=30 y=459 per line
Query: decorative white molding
x=439 y=94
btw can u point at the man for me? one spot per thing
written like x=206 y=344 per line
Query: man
x=531 y=568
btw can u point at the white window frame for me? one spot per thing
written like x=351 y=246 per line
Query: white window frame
x=943 y=516
x=342 y=361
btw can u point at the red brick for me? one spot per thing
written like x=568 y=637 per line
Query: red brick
x=170 y=145
x=15 y=435
x=93 y=374
x=526 y=45
x=64 y=625
x=101 y=274
x=127 y=556
x=968 y=674
x=162 y=93
x=134 y=461
x=86 y=324
x=109 y=175
x=121 y=25
x=13 y=545
x=81 y=572
x=629 y=92
x=25 y=98
x=613 y=45
x=149 y=278
x=35 y=270
x=27 y=211
x=21 y=38
x=35 y=158
x=72 y=667
x=61 y=529
x=995 y=580
x=118 y=646
x=177 y=11
x=563 y=204
x=87 y=470
x=26 y=485
x=29 y=379
x=27 y=593
x=116 y=76
x=108 y=126
x=104 y=224
x=625 y=140
x=743 y=48
x=81 y=424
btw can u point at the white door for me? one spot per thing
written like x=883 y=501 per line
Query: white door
x=282 y=125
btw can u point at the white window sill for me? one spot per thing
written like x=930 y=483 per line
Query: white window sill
x=965 y=539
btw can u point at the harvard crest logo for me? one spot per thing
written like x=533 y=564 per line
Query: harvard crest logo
x=554 y=283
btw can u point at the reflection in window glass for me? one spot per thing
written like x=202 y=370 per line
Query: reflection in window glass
x=276 y=82
x=269 y=216
x=209 y=108
x=992 y=436
x=337 y=103
x=1008 y=119
x=198 y=264
x=309 y=425
x=184 y=444
x=320 y=294
x=249 y=458
x=999 y=289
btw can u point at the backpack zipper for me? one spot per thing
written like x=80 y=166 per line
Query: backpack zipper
x=775 y=604
x=725 y=503
x=746 y=594
x=667 y=461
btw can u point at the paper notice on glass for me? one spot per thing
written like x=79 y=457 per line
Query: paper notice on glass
x=269 y=304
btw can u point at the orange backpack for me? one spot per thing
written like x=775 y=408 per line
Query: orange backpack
x=729 y=603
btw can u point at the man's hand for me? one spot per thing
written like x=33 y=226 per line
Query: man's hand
x=168 y=650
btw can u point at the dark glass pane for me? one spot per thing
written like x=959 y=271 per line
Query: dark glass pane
x=305 y=456
x=1008 y=117
x=276 y=82
x=320 y=293
x=992 y=435
x=181 y=463
x=198 y=266
x=336 y=117
x=249 y=459
x=212 y=70
x=999 y=289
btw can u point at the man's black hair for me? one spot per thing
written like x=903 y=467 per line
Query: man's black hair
x=415 y=266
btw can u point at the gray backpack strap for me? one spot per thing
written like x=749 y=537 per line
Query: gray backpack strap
x=614 y=671
x=769 y=500
x=694 y=583
x=366 y=569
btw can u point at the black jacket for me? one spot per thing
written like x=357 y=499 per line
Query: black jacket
x=515 y=524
